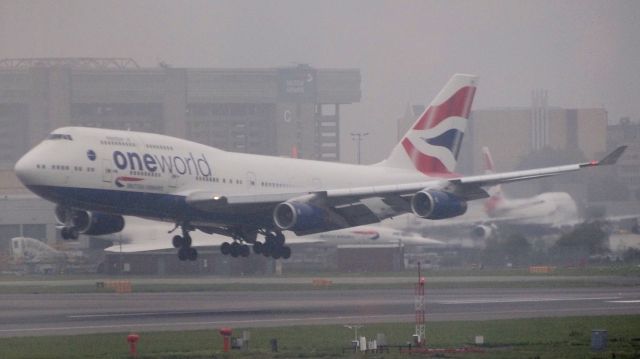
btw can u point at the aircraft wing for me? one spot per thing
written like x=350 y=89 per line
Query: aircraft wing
x=350 y=207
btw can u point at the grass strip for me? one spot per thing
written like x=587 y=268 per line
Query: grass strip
x=567 y=337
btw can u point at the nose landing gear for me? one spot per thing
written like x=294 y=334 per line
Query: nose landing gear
x=183 y=243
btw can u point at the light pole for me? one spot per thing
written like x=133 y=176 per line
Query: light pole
x=358 y=136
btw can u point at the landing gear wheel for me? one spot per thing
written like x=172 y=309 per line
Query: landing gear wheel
x=258 y=247
x=187 y=240
x=192 y=254
x=64 y=232
x=183 y=243
x=279 y=239
x=244 y=251
x=225 y=248
x=183 y=253
x=177 y=241
x=235 y=249
x=285 y=252
x=267 y=248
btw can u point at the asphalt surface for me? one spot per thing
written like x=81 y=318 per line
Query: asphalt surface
x=66 y=314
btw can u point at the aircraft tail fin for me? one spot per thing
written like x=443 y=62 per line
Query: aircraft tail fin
x=496 y=196
x=432 y=144
x=489 y=166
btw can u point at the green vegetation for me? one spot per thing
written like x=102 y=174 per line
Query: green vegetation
x=622 y=275
x=522 y=338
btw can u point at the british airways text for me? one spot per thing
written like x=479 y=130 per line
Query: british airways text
x=152 y=163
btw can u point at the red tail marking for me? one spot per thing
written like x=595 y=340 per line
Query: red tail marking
x=423 y=163
x=492 y=203
x=488 y=162
x=459 y=104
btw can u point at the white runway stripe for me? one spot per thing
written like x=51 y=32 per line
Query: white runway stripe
x=625 y=301
x=521 y=300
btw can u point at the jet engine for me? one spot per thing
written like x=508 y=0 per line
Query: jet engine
x=482 y=231
x=298 y=216
x=87 y=222
x=433 y=204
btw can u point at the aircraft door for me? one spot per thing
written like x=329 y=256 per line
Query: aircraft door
x=107 y=171
x=251 y=182
x=173 y=181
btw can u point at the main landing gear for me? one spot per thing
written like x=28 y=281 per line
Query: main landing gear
x=183 y=243
x=235 y=249
x=273 y=246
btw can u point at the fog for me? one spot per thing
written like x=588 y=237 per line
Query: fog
x=585 y=53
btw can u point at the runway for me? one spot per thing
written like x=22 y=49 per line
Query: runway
x=66 y=314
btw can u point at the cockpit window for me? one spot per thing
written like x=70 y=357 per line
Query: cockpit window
x=59 y=136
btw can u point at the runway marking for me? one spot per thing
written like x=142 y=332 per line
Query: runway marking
x=217 y=322
x=284 y=321
x=520 y=300
x=625 y=301
x=141 y=314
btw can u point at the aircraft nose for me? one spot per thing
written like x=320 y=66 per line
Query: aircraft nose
x=25 y=168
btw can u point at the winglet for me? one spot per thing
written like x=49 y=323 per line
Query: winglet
x=609 y=159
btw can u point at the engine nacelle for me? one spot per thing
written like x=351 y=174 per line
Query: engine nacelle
x=298 y=216
x=432 y=204
x=482 y=231
x=91 y=223
x=95 y=223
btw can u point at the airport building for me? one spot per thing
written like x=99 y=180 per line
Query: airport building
x=627 y=132
x=513 y=133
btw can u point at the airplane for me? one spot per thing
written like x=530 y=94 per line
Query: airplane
x=140 y=235
x=548 y=212
x=96 y=176
x=543 y=214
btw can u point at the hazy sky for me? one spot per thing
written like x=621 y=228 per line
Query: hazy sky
x=585 y=53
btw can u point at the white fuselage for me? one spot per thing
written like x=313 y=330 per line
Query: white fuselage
x=149 y=175
x=552 y=208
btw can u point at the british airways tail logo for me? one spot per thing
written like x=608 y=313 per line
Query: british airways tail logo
x=182 y=165
x=433 y=144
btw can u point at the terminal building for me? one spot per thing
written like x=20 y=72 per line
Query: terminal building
x=627 y=133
